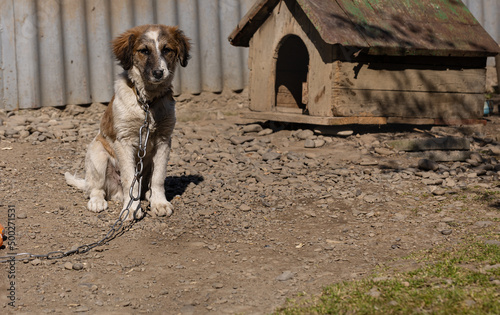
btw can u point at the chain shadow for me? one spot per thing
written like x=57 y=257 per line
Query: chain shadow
x=177 y=185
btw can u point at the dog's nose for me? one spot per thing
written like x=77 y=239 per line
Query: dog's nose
x=158 y=74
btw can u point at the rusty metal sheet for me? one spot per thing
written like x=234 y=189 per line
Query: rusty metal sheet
x=391 y=27
x=402 y=27
x=331 y=22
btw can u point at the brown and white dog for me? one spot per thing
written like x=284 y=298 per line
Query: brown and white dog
x=148 y=54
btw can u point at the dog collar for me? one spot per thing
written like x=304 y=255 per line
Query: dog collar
x=144 y=102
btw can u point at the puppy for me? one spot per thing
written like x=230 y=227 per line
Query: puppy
x=149 y=55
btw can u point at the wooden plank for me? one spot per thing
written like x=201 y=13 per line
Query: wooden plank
x=285 y=98
x=261 y=78
x=293 y=110
x=251 y=22
x=398 y=77
x=316 y=120
x=348 y=102
x=262 y=61
x=319 y=78
x=305 y=93
x=427 y=144
x=432 y=121
x=292 y=117
x=410 y=121
x=442 y=156
x=263 y=66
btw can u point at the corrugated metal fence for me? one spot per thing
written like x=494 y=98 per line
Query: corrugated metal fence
x=487 y=12
x=57 y=52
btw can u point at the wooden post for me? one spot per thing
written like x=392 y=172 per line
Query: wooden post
x=497 y=64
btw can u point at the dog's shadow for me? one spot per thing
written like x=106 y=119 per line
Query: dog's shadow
x=177 y=185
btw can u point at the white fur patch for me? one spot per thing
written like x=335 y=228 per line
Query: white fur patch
x=155 y=36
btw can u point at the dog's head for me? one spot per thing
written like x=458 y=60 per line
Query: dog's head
x=152 y=51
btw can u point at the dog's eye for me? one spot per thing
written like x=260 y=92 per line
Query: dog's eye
x=166 y=50
x=145 y=51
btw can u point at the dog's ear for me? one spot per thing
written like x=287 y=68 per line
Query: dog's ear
x=123 y=48
x=184 y=47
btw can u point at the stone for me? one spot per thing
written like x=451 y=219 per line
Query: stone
x=245 y=208
x=374 y=292
x=78 y=266
x=10 y=132
x=309 y=143
x=383 y=151
x=366 y=162
x=74 y=110
x=252 y=128
x=318 y=143
x=22 y=215
x=491 y=267
x=217 y=285
x=438 y=192
x=82 y=309
x=270 y=156
x=285 y=276
x=432 y=181
x=68 y=265
x=220 y=115
x=304 y=134
x=345 y=133
x=442 y=156
x=476 y=157
x=265 y=132
x=24 y=134
x=483 y=224
x=237 y=140
x=495 y=149
x=427 y=165
x=449 y=182
x=443 y=143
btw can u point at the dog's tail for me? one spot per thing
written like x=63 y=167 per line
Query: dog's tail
x=74 y=181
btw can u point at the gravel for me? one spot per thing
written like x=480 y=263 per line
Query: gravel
x=262 y=211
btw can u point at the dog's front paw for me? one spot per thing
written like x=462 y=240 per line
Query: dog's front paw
x=97 y=204
x=162 y=209
x=134 y=211
x=134 y=214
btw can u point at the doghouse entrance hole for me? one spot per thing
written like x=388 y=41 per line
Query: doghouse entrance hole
x=291 y=75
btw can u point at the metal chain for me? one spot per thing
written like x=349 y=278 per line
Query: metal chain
x=117 y=228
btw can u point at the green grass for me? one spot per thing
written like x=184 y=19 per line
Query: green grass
x=452 y=281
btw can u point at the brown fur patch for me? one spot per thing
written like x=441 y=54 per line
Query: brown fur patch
x=106 y=145
x=170 y=94
x=123 y=45
x=107 y=124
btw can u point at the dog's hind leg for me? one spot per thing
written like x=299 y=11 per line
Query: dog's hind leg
x=96 y=163
x=113 y=182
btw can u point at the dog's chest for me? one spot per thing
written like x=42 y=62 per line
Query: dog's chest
x=160 y=121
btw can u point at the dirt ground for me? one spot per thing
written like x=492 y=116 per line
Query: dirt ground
x=258 y=217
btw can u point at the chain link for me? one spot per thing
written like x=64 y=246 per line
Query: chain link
x=117 y=228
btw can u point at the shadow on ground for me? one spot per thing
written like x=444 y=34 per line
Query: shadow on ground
x=177 y=185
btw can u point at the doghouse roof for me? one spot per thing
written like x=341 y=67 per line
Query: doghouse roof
x=390 y=27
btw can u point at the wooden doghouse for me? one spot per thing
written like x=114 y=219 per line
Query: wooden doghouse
x=365 y=61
